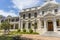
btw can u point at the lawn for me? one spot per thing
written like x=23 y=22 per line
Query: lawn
x=5 y=38
x=14 y=33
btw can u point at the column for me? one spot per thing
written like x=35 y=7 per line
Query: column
x=39 y=25
x=26 y=26
x=45 y=28
x=14 y=26
x=21 y=25
x=59 y=22
x=54 y=24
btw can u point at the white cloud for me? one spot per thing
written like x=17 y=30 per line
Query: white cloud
x=21 y=4
x=7 y=13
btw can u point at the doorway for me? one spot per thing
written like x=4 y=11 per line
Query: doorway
x=50 y=26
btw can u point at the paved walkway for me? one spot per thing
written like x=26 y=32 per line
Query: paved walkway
x=51 y=34
x=38 y=37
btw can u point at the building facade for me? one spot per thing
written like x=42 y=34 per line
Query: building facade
x=45 y=17
x=14 y=21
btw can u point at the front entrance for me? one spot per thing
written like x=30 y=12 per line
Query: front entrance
x=50 y=26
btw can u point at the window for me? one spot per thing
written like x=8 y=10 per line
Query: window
x=23 y=16
x=12 y=20
x=29 y=25
x=35 y=14
x=12 y=26
x=23 y=25
x=29 y=15
x=35 y=25
x=56 y=10
x=16 y=26
x=42 y=12
x=17 y=19
x=9 y=20
x=57 y=23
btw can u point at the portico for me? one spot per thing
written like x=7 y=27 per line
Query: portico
x=49 y=22
x=50 y=25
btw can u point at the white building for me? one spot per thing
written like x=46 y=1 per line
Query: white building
x=14 y=21
x=45 y=17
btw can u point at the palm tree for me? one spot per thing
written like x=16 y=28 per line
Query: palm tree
x=6 y=26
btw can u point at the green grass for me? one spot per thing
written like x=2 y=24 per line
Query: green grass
x=5 y=38
x=13 y=33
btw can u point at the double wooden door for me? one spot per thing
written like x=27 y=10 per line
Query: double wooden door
x=50 y=26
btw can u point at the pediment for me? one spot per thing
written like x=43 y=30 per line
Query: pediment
x=49 y=15
x=48 y=5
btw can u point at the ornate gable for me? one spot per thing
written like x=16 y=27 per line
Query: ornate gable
x=49 y=4
x=49 y=14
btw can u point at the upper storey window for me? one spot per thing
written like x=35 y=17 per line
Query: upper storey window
x=12 y=20
x=35 y=14
x=23 y=16
x=17 y=19
x=56 y=10
x=29 y=15
x=42 y=12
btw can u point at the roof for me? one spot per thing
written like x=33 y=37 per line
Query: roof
x=53 y=2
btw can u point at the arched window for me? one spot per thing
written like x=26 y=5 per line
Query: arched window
x=12 y=26
x=17 y=19
x=42 y=12
x=23 y=16
x=56 y=10
x=23 y=25
x=35 y=14
x=29 y=15
x=35 y=25
x=12 y=20
x=16 y=26
x=29 y=25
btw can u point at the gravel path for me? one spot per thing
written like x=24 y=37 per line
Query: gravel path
x=38 y=37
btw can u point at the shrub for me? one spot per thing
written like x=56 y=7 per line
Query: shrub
x=18 y=30
x=24 y=30
x=30 y=30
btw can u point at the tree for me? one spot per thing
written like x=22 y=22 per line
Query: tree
x=6 y=26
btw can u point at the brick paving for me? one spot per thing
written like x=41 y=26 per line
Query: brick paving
x=38 y=37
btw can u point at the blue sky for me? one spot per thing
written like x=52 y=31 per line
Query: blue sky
x=13 y=7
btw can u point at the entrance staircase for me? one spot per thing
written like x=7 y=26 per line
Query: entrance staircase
x=51 y=34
